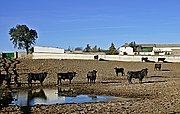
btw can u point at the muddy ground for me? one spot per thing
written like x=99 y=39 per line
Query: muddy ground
x=158 y=94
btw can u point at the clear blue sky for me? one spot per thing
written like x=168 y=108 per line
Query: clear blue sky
x=76 y=23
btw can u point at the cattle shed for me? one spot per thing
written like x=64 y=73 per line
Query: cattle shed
x=42 y=49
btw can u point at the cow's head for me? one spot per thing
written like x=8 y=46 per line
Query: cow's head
x=95 y=71
x=74 y=74
x=116 y=68
x=45 y=74
x=145 y=71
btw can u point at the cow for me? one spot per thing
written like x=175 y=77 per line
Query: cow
x=6 y=77
x=36 y=76
x=2 y=77
x=157 y=67
x=91 y=76
x=161 y=59
x=67 y=75
x=137 y=74
x=144 y=59
x=119 y=70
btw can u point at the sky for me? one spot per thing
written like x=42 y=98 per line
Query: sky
x=76 y=23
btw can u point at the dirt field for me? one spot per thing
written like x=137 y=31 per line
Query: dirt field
x=158 y=94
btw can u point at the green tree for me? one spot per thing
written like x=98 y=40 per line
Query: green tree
x=136 y=48
x=112 y=49
x=22 y=37
x=88 y=48
x=78 y=49
x=99 y=49
x=133 y=45
x=94 y=49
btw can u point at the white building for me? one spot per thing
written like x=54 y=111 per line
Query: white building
x=150 y=49
x=41 y=49
x=126 y=50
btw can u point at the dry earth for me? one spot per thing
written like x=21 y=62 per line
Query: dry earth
x=158 y=94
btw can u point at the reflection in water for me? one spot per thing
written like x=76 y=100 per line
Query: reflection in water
x=66 y=91
x=29 y=98
x=93 y=97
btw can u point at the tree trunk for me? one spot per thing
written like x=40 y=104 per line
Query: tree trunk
x=27 y=50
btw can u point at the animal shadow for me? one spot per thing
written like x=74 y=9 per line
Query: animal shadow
x=155 y=81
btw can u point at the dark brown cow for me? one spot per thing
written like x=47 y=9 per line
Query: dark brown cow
x=137 y=74
x=119 y=70
x=161 y=59
x=67 y=75
x=36 y=76
x=157 y=67
x=91 y=76
x=144 y=59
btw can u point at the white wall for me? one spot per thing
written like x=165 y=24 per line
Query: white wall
x=61 y=56
x=105 y=57
x=40 y=49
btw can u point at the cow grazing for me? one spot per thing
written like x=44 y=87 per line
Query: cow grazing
x=119 y=70
x=91 y=76
x=137 y=75
x=157 y=67
x=67 y=75
x=36 y=76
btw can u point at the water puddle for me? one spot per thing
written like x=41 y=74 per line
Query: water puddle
x=50 y=96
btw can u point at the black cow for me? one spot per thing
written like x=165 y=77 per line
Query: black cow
x=36 y=76
x=137 y=74
x=144 y=59
x=6 y=77
x=119 y=70
x=161 y=59
x=157 y=67
x=91 y=76
x=67 y=75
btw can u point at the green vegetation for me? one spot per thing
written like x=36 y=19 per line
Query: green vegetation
x=22 y=37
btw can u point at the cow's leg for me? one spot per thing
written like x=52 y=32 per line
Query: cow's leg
x=8 y=80
x=116 y=73
x=69 y=81
x=58 y=81
x=89 y=80
x=140 y=81
x=129 y=80
x=30 y=83
x=41 y=82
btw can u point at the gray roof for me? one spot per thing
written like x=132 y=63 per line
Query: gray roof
x=167 y=45
x=154 y=45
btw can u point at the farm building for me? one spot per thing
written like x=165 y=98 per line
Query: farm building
x=150 y=49
x=8 y=54
x=42 y=49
